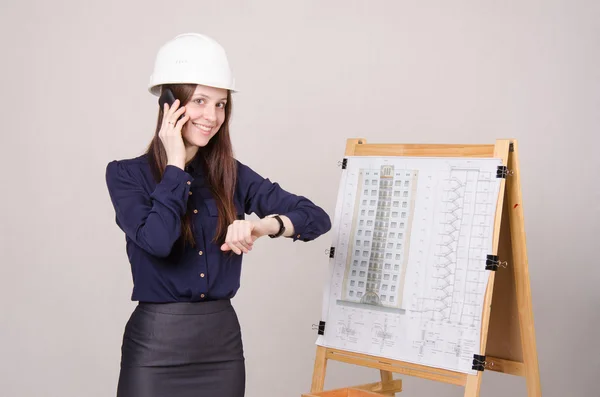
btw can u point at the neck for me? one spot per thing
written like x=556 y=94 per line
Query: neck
x=190 y=152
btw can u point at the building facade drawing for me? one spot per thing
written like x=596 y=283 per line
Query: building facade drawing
x=380 y=237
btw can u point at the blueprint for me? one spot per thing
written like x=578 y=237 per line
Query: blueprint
x=407 y=271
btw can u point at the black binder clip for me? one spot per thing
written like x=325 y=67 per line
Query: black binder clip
x=320 y=328
x=492 y=263
x=502 y=172
x=343 y=163
x=330 y=252
x=479 y=362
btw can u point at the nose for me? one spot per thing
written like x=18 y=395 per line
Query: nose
x=210 y=113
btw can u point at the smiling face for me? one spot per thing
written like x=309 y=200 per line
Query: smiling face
x=206 y=110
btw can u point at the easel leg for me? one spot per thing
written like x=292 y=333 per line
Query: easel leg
x=501 y=150
x=387 y=376
x=522 y=285
x=473 y=385
x=318 y=381
x=533 y=381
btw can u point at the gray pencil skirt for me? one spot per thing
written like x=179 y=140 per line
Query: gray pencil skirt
x=182 y=349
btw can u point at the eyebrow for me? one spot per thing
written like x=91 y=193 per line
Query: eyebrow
x=207 y=97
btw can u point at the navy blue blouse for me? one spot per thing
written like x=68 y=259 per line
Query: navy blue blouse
x=150 y=214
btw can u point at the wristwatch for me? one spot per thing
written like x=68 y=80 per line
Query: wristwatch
x=281 y=226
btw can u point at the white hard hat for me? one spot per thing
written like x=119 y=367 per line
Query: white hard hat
x=191 y=58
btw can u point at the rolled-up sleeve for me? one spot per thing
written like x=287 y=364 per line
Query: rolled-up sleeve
x=264 y=197
x=151 y=220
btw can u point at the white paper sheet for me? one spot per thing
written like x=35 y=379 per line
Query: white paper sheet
x=411 y=238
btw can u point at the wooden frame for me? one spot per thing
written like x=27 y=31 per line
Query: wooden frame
x=507 y=333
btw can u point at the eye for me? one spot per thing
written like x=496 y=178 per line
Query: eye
x=221 y=105
x=199 y=100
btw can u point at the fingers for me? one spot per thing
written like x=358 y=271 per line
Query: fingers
x=241 y=231
x=181 y=122
x=173 y=108
x=172 y=114
x=177 y=113
x=167 y=111
x=231 y=240
x=239 y=237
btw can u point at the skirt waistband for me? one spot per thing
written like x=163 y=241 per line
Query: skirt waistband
x=206 y=307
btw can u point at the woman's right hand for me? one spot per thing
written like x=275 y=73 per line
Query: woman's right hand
x=170 y=134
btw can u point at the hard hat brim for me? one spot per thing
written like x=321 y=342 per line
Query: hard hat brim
x=156 y=89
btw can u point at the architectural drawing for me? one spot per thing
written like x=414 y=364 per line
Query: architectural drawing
x=376 y=265
x=408 y=278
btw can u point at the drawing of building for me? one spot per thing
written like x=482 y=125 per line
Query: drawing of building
x=378 y=251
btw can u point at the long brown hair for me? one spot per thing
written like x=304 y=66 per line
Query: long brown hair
x=215 y=159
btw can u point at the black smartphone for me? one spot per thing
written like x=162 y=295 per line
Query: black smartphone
x=167 y=97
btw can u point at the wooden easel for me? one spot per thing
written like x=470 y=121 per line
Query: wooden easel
x=507 y=334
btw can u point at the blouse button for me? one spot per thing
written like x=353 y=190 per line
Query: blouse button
x=202 y=296
x=190 y=193
x=298 y=236
x=200 y=252
x=189 y=182
x=202 y=275
x=195 y=211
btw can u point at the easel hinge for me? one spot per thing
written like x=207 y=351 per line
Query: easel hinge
x=344 y=163
x=331 y=252
x=478 y=362
x=511 y=147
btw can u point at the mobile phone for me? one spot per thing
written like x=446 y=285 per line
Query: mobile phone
x=167 y=97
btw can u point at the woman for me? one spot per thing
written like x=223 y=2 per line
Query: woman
x=182 y=208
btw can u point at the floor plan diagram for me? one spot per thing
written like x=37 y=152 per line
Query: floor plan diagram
x=408 y=278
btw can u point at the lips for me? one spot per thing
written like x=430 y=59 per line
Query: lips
x=205 y=129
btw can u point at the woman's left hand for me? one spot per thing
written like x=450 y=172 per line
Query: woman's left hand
x=242 y=234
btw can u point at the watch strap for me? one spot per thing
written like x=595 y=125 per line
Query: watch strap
x=281 y=227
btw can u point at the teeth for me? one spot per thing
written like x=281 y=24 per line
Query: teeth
x=203 y=127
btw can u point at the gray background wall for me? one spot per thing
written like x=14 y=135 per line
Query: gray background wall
x=311 y=74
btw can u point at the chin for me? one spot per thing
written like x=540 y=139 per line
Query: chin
x=198 y=142
x=197 y=139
